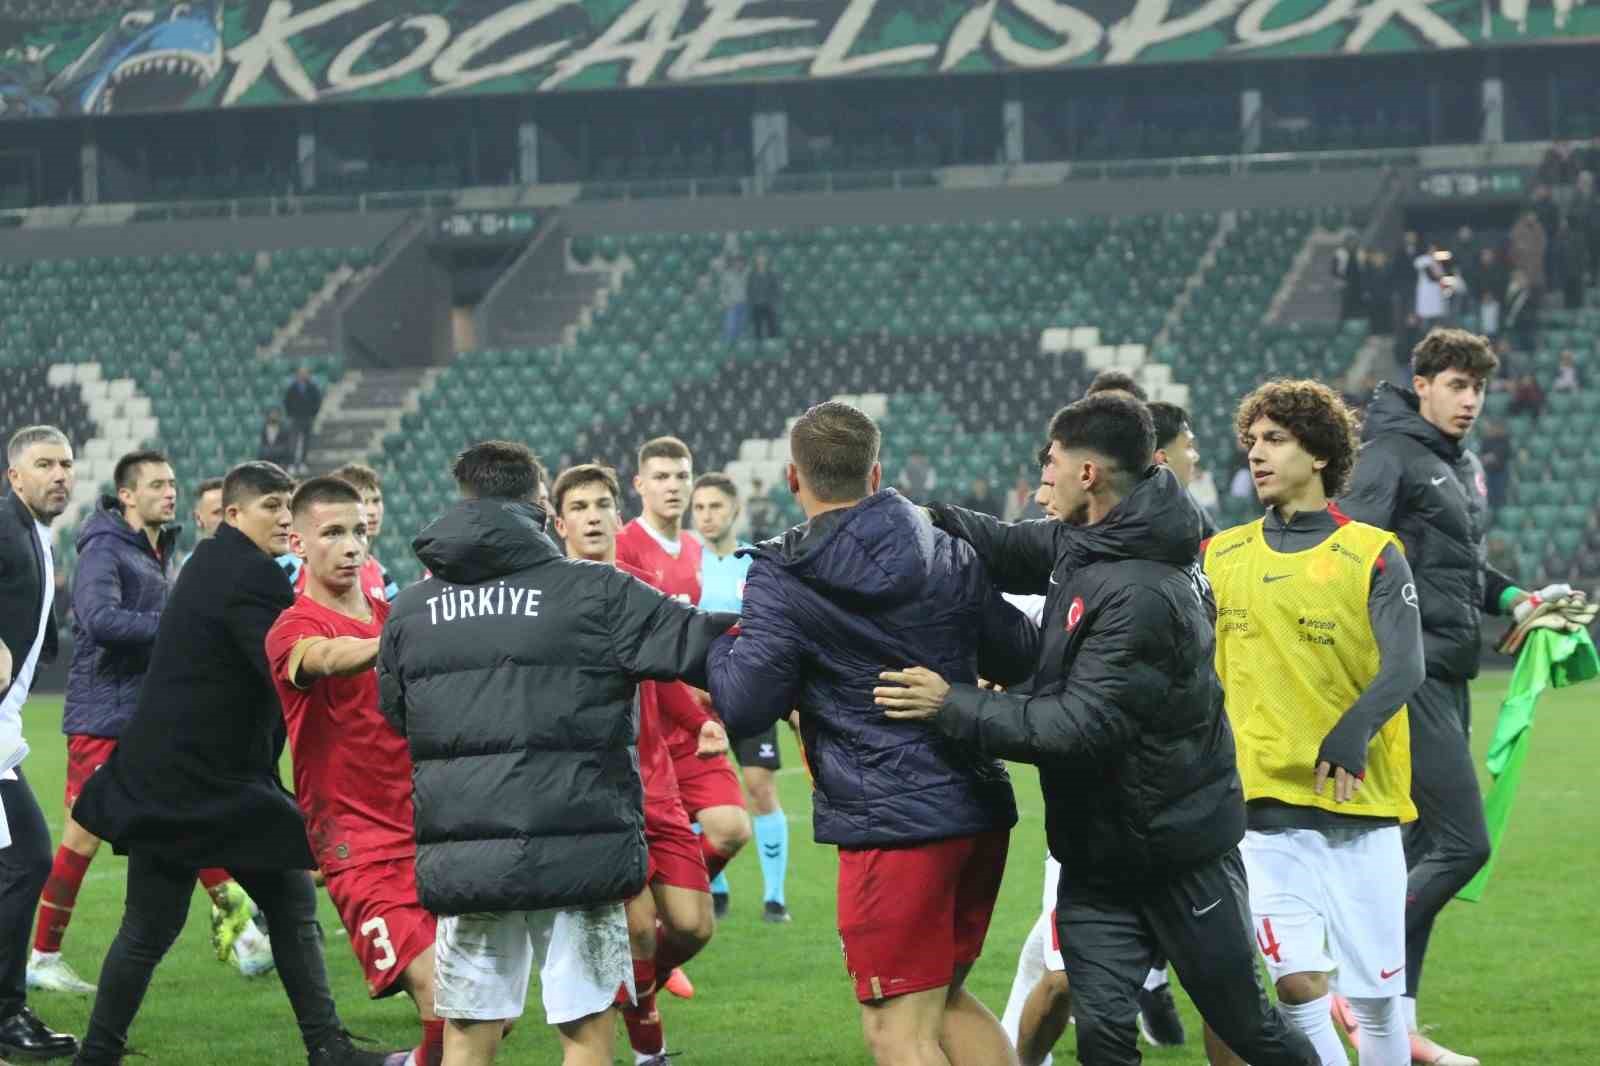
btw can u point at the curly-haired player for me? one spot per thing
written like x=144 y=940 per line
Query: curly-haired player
x=1319 y=644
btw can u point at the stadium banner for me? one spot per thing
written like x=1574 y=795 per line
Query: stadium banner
x=480 y=227
x=232 y=53
x=1505 y=184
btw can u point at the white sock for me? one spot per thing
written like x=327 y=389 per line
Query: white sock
x=1314 y=1020
x=1155 y=979
x=1030 y=970
x=45 y=956
x=640 y=1058
x=1384 y=1040
x=1408 y=1012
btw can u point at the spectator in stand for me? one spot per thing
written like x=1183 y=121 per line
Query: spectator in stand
x=1529 y=241
x=918 y=478
x=1018 y=498
x=1569 y=255
x=982 y=498
x=1466 y=246
x=733 y=286
x=1584 y=211
x=1375 y=284
x=1559 y=166
x=1567 y=377
x=1402 y=299
x=1495 y=451
x=1508 y=359
x=1521 y=315
x=765 y=293
x=1527 y=398
x=1545 y=208
x=1488 y=283
x=277 y=441
x=302 y=400
x=1348 y=268
x=1433 y=289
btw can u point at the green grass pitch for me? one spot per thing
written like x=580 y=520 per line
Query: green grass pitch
x=1511 y=980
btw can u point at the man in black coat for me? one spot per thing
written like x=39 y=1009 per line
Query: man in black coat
x=511 y=672
x=39 y=468
x=302 y=401
x=1125 y=719
x=194 y=782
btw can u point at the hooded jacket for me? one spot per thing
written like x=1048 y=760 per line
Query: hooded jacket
x=1430 y=491
x=1125 y=716
x=118 y=592
x=511 y=672
x=827 y=608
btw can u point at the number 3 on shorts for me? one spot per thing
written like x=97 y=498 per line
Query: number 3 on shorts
x=378 y=930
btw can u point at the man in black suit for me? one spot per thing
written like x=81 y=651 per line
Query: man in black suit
x=39 y=468
x=194 y=782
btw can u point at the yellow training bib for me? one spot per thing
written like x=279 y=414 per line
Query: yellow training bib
x=1295 y=648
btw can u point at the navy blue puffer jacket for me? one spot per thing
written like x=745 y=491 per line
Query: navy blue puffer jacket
x=829 y=606
x=118 y=592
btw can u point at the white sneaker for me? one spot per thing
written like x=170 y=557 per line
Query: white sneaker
x=1427 y=1052
x=252 y=952
x=49 y=972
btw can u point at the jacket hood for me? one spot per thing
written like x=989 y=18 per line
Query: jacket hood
x=879 y=551
x=1157 y=521
x=1395 y=409
x=107 y=521
x=481 y=539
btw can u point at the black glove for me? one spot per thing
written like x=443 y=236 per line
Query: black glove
x=1345 y=747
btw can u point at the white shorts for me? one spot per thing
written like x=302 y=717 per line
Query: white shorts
x=1052 y=938
x=482 y=962
x=1326 y=901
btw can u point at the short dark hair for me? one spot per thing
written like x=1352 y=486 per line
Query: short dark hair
x=1318 y=419
x=834 y=446
x=253 y=480
x=1454 y=349
x=663 y=448
x=1169 y=420
x=362 y=476
x=326 y=489
x=208 y=485
x=1116 y=381
x=576 y=477
x=498 y=470
x=1112 y=424
x=717 y=480
x=126 y=474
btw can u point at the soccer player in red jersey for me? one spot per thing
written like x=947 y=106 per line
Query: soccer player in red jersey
x=655 y=544
x=352 y=771
x=671 y=921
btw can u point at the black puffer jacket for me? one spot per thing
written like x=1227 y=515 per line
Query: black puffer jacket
x=1125 y=718
x=511 y=672
x=1430 y=491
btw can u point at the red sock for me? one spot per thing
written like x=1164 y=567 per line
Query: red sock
x=214 y=878
x=715 y=860
x=668 y=956
x=644 y=1021
x=431 y=1051
x=59 y=897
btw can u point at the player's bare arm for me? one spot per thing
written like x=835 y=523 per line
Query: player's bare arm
x=5 y=666
x=332 y=657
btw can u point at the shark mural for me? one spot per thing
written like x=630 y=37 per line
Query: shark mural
x=235 y=53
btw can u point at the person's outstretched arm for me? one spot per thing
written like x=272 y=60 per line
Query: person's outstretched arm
x=654 y=636
x=755 y=677
x=1020 y=556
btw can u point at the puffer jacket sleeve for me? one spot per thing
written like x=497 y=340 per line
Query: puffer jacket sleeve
x=391 y=686
x=1020 y=556
x=1008 y=642
x=1119 y=671
x=656 y=637
x=1376 y=487
x=97 y=598
x=755 y=678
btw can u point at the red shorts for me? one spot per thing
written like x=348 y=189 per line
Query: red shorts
x=909 y=916
x=707 y=783
x=85 y=755
x=389 y=930
x=675 y=855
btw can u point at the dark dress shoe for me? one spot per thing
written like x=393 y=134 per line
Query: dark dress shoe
x=24 y=1036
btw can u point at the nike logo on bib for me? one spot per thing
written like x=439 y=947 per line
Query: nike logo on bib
x=1201 y=912
x=1267 y=579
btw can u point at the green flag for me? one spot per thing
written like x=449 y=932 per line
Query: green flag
x=1549 y=659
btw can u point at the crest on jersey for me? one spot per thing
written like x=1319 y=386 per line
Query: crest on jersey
x=1074 y=613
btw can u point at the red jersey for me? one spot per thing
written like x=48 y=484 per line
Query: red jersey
x=352 y=771
x=679 y=577
x=374 y=580
x=669 y=717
